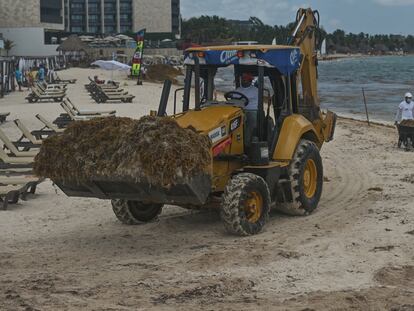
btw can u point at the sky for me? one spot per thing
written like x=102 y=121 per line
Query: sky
x=369 y=16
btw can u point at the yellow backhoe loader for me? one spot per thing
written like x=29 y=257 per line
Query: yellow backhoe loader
x=262 y=159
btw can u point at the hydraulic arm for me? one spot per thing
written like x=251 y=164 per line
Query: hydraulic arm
x=305 y=36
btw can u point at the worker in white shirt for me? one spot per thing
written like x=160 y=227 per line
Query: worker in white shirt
x=405 y=109
x=252 y=93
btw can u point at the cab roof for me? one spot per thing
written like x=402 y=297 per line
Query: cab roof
x=285 y=58
x=263 y=48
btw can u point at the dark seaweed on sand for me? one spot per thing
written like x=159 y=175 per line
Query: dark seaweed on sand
x=409 y=123
x=154 y=148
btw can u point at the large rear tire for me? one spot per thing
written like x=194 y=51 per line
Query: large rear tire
x=306 y=178
x=135 y=212
x=246 y=204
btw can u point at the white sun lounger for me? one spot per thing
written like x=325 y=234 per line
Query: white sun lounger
x=9 y=145
x=27 y=133
x=15 y=160
x=76 y=117
x=79 y=112
x=49 y=124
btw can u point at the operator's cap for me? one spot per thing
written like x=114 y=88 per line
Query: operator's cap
x=408 y=95
x=247 y=77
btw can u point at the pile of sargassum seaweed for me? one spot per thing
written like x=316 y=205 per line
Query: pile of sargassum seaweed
x=409 y=123
x=154 y=148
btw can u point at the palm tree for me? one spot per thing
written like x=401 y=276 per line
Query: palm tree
x=8 y=45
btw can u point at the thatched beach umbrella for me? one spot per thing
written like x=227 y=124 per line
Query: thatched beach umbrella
x=73 y=44
x=74 y=48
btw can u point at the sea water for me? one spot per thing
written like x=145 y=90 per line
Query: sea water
x=385 y=80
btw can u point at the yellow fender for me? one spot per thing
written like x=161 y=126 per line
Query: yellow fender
x=295 y=128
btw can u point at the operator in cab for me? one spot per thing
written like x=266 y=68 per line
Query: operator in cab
x=252 y=93
x=405 y=109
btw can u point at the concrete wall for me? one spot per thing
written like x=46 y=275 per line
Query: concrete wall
x=28 y=42
x=155 y=15
x=23 y=13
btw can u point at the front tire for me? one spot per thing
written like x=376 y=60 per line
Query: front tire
x=306 y=178
x=246 y=205
x=135 y=212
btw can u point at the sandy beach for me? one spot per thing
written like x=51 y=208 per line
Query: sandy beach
x=355 y=252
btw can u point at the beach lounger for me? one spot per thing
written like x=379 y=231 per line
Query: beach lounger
x=13 y=149
x=32 y=142
x=15 y=170
x=101 y=96
x=70 y=116
x=45 y=86
x=48 y=125
x=8 y=162
x=23 y=185
x=3 y=116
x=74 y=117
x=96 y=92
x=78 y=112
x=26 y=133
x=9 y=195
x=59 y=80
x=44 y=91
x=108 y=85
x=36 y=96
x=46 y=132
x=125 y=98
x=63 y=120
x=92 y=86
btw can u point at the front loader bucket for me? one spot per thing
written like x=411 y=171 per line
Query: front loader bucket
x=194 y=191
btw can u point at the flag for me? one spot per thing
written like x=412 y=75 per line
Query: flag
x=137 y=58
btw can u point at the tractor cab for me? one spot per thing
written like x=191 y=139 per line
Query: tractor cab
x=258 y=108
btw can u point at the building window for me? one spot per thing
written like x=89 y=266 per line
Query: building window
x=109 y=29
x=93 y=7
x=175 y=12
x=110 y=18
x=76 y=6
x=125 y=18
x=110 y=6
x=51 y=12
x=94 y=18
x=94 y=29
x=77 y=18
x=125 y=28
x=125 y=6
x=77 y=29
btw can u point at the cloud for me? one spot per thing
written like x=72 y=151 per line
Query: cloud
x=395 y=2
